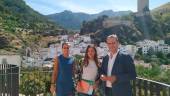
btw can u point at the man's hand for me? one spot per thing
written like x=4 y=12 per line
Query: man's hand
x=103 y=77
x=112 y=78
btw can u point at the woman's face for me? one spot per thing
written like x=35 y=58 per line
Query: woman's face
x=65 y=50
x=91 y=53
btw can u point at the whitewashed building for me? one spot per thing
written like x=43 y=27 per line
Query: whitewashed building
x=86 y=38
x=10 y=59
x=129 y=49
x=158 y=46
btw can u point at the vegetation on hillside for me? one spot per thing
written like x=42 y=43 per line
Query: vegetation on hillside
x=154 y=26
x=155 y=70
x=99 y=32
x=153 y=73
x=22 y=25
x=16 y=14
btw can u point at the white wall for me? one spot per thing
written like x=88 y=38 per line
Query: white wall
x=11 y=59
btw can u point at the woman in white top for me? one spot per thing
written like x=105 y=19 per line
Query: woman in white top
x=90 y=69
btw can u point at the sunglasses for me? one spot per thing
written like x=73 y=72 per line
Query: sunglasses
x=110 y=43
x=65 y=47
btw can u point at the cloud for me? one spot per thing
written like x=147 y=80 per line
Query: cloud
x=68 y=5
x=87 y=6
x=95 y=6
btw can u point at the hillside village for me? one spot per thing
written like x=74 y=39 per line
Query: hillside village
x=78 y=44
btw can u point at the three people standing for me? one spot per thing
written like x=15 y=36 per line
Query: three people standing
x=116 y=71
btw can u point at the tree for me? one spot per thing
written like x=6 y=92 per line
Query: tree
x=168 y=55
x=160 y=55
x=147 y=58
x=3 y=42
x=150 y=51
x=34 y=82
x=167 y=41
x=138 y=56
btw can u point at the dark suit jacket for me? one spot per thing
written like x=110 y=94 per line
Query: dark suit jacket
x=124 y=70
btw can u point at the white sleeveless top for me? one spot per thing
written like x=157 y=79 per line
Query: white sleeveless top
x=90 y=71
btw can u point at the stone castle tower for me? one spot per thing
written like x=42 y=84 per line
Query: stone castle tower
x=143 y=6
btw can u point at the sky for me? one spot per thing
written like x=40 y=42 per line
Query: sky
x=46 y=7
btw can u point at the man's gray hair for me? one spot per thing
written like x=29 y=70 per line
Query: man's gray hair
x=113 y=36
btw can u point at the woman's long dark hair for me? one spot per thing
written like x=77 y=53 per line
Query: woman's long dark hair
x=86 y=58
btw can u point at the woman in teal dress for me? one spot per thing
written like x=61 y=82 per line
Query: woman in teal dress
x=62 y=81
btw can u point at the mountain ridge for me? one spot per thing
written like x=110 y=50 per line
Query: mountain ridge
x=73 y=20
x=153 y=26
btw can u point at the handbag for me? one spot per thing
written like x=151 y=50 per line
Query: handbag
x=84 y=87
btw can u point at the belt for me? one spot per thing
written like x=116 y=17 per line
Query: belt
x=89 y=81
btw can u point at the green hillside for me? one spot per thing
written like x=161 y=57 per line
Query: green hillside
x=132 y=28
x=22 y=25
x=122 y=26
x=162 y=16
x=163 y=8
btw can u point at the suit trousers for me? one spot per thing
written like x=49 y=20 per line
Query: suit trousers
x=108 y=91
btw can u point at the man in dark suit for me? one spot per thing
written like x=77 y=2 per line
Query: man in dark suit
x=117 y=70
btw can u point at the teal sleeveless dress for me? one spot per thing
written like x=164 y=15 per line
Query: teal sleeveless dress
x=65 y=85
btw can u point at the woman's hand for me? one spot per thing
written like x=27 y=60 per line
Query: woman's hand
x=95 y=86
x=52 y=88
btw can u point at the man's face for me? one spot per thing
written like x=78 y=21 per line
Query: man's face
x=112 y=44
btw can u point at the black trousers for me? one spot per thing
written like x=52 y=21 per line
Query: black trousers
x=109 y=92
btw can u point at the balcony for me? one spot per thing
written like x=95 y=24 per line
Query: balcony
x=36 y=82
x=145 y=87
